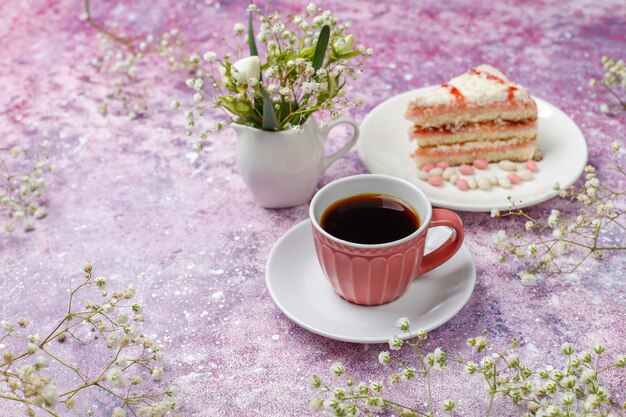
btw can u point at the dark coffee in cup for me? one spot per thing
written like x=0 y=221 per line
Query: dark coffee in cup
x=370 y=219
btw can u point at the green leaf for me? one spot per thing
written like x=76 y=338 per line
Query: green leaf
x=251 y=41
x=349 y=54
x=320 y=49
x=269 y=117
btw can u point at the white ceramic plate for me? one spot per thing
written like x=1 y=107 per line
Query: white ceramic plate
x=384 y=148
x=299 y=288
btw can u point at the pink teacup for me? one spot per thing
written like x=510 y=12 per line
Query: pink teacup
x=379 y=273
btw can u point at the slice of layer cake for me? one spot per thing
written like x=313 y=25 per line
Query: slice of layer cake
x=477 y=115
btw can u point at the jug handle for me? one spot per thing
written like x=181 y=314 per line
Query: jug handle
x=330 y=159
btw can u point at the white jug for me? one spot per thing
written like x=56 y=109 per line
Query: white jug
x=282 y=169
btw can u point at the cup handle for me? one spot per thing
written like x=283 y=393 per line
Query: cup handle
x=330 y=159
x=443 y=217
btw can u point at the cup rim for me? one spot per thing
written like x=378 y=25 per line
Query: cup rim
x=425 y=222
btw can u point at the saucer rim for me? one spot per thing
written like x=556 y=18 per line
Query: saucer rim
x=472 y=277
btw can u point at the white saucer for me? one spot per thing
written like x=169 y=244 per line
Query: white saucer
x=384 y=148
x=299 y=288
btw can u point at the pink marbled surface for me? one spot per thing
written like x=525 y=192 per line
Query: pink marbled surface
x=128 y=198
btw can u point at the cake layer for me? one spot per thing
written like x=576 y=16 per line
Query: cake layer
x=514 y=149
x=473 y=132
x=459 y=114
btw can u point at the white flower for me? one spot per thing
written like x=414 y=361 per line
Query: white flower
x=246 y=68
x=344 y=45
x=238 y=28
x=495 y=212
x=448 y=405
x=157 y=373
x=122 y=318
x=530 y=225
x=337 y=369
x=605 y=108
x=310 y=87
x=592 y=401
x=198 y=97
x=615 y=146
x=198 y=84
x=41 y=362
x=527 y=278
x=119 y=412
x=316 y=404
x=210 y=56
x=403 y=324
x=113 y=340
x=567 y=348
x=384 y=358
x=395 y=343
x=553 y=220
x=49 y=396
x=116 y=377
x=311 y=8
x=499 y=237
x=194 y=59
x=471 y=367
x=422 y=334
x=315 y=382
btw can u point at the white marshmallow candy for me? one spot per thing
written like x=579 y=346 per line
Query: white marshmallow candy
x=435 y=171
x=493 y=179
x=525 y=175
x=448 y=172
x=454 y=178
x=507 y=166
x=484 y=183
x=504 y=182
x=471 y=181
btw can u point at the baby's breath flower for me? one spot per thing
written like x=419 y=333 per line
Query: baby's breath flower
x=119 y=412
x=238 y=28
x=495 y=213
x=527 y=278
x=403 y=324
x=116 y=378
x=384 y=358
x=448 y=406
x=499 y=237
x=395 y=343
x=157 y=373
x=337 y=369
x=315 y=381
x=316 y=404
x=567 y=348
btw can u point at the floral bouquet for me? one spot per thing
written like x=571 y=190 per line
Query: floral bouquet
x=307 y=60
